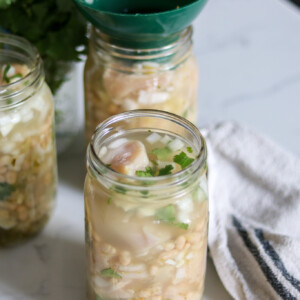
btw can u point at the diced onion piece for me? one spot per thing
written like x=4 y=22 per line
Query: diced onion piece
x=148 y=98
x=129 y=104
x=11 y=71
x=180 y=273
x=102 y=151
x=100 y=282
x=133 y=268
x=176 y=145
x=153 y=138
x=171 y=262
x=134 y=275
x=117 y=143
x=166 y=139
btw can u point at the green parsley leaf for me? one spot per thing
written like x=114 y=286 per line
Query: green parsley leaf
x=166 y=170
x=5 y=190
x=119 y=189
x=182 y=225
x=149 y=130
x=166 y=214
x=154 y=162
x=109 y=272
x=5 y=77
x=148 y=173
x=162 y=153
x=189 y=149
x=145 y=193
x=183 y=160
x=109 y=200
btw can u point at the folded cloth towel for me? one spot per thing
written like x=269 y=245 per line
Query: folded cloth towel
x=254 y=237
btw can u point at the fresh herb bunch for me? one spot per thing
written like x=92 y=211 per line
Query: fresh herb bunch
x=55 y=27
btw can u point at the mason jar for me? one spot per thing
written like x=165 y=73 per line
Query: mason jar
x=118 y=78
x=146 y=230
x=27 y=142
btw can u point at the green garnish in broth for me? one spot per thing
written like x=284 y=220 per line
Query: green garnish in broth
x=183 y=160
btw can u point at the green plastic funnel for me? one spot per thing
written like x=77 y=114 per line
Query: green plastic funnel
x=141 y=22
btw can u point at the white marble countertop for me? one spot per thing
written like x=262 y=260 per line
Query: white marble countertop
x=249 y=57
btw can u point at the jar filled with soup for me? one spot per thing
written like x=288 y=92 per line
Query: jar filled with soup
x=122 y=78
x=146 y=208
x=27 y=142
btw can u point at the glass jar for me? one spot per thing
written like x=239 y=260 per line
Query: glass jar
x=146 y=237
x=118 y=79
x=27 y=142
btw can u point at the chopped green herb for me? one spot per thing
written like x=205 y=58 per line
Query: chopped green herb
x=145 y=193
x=108 y=165
x=166 y=170
x=9 y=79
x=5 y=190
x=119 y=189
x=109 y=272
x=18 y=75
x=185 y=113
x=5 y=77
x=149 y=130
x=162 y=153
x=166 y=214
x=182 y=225
x=109 y=200
x=154 y=162
x=148 y=173
x=183 y=160
x=9 y=101
x=189 y=149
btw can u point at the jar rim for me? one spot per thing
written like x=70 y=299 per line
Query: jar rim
x=160 y=181
x=20 y=47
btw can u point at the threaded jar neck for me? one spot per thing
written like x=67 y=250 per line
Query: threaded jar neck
x=176 y=183
x=173 y=51
x=17 y=50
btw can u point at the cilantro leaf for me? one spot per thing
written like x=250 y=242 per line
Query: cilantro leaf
x=109 y=272
x=162 y=153
x=166 y=214
x=148 y=173
x=118 y=189
x=166 y=170
x=5 y=190
x=182 y=225
x=6 y=69
x=189 y=149
x=183 y=160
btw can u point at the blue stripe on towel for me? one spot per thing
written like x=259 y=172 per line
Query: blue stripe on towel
x=270 y=276
x=276 y=259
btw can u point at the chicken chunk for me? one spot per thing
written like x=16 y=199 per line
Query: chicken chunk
x=127 y=158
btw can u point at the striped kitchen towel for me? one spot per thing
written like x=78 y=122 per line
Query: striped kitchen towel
x=254 y=237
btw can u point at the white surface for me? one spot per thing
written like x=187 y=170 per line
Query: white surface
x=249 y=57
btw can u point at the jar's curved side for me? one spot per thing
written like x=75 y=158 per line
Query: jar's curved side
x=28 y=174
x=133 y=253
